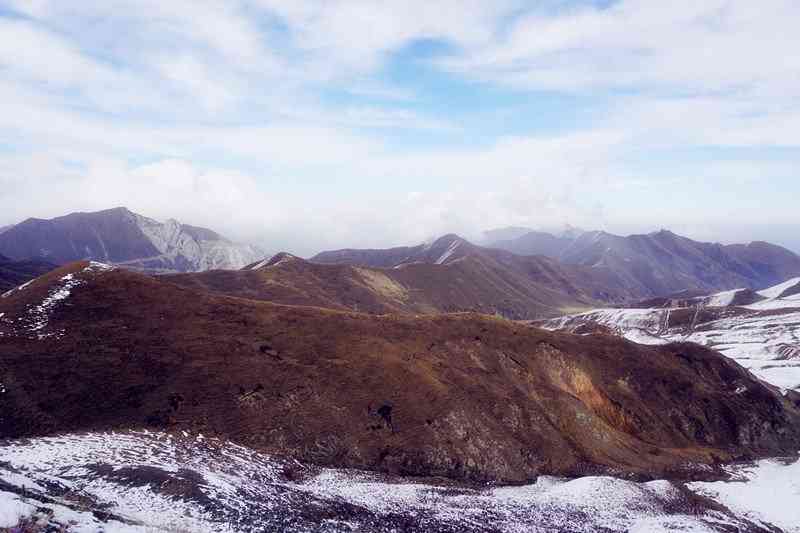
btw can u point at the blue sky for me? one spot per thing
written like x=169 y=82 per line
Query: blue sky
x=303 y=125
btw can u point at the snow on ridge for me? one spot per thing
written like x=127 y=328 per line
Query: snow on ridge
x=777 y=290
x=37 y=316
x=16 y=289
x=97 y=266
x=285 y=258
x=723 y=299
x=449 y=252
x=260 y=264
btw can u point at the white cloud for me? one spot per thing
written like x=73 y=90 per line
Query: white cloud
x=684 y=45
x=355 y=35
x=41 y=55
x=279 y=121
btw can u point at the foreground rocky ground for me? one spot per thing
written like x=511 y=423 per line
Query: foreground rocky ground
x=148 y=481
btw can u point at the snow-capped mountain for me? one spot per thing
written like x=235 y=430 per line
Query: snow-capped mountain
x=759 y=329
x=125 y=238
x=444 y=250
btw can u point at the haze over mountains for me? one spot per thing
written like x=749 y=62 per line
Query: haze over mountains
x=451 y=275
x=598 y=265
x=122 y=237
x=662 y=262
x=522 y=275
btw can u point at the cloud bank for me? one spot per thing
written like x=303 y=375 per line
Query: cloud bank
x=304 y=125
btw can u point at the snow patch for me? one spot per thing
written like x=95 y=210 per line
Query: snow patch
x=149 y=481
x=40 y=315
x=36 y=317
x=12 y=509
x=260 y=264
x=449 y=252
x=767 y=492
x=20 y=288
x=723 y=299
x=777 y=290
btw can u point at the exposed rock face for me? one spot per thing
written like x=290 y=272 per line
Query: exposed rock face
x=125 y=238
x=661 y=263
x=464 y=396
x=759 y=329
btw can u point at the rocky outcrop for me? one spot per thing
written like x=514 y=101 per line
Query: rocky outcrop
x=122 y=237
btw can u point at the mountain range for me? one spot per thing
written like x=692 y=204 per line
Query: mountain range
x=596 y=266
x=523 y=274
x=662 y=262
x=447 y=275
x=122 y=237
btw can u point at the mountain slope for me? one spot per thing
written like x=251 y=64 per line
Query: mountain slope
x=570 y=285
x=466 y=284
x=15 y=273
x=148 y=481
x=760 y=330
x=122 y=237
x=447 y=275
x=90 y=347
x=661 y=263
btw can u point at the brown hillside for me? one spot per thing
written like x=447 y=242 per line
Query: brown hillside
x=464 y=395
x=471 y=283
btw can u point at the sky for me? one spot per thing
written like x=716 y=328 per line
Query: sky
x=304 y=125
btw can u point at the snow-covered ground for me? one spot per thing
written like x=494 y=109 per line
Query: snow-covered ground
x=766 y=492
x=764 y=337
x=145 y=481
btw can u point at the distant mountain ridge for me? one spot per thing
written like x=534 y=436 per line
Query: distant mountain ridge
x=447 y=275
x=125 y=238
x=661 y=263
x=577 y=285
